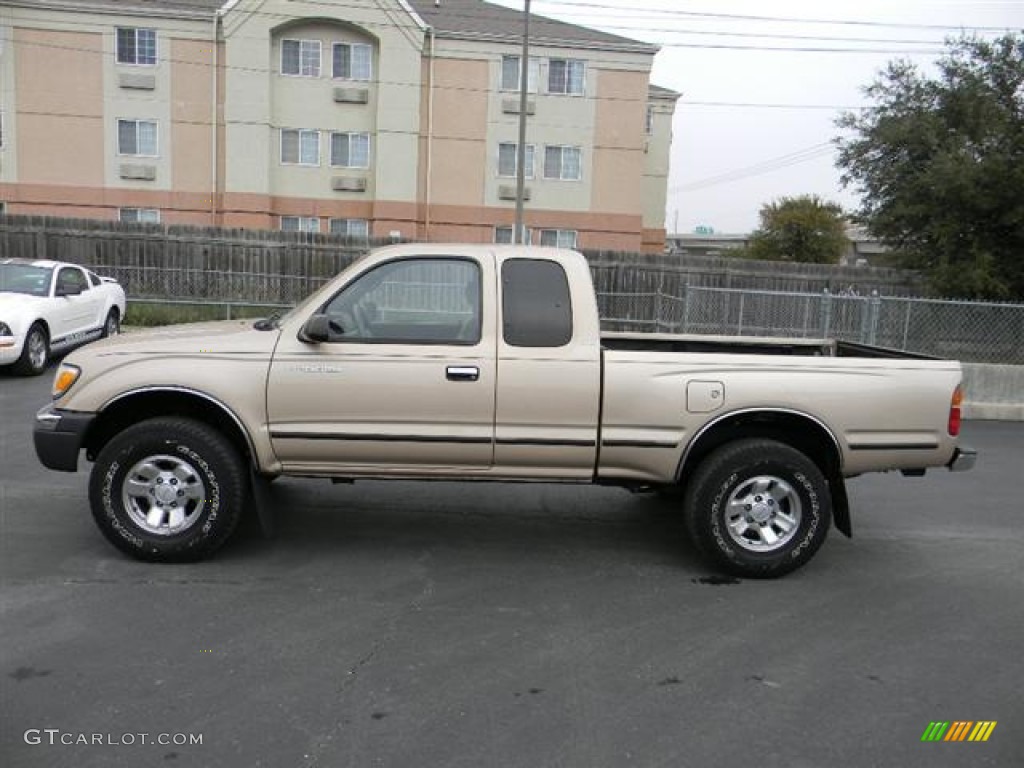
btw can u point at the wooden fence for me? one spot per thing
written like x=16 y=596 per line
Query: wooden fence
x=267 y=266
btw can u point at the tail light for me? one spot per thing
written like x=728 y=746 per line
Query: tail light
x=954 y=411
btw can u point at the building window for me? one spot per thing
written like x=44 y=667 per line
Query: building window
x=562 y=163
x=300 y=224
x=300 y=147
x=138 y=215
x=507 y=157
x=137 y=137
x=352 y=61
x=649 y=120
x=136 y=46
x=504 y=235
x=558 y=238
x=510 y=74
x=350 y=150
x=300 y=58
x=565 y=76
x=354 y=228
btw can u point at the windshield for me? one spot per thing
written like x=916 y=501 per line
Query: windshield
x=318 y=296
x=25 y=278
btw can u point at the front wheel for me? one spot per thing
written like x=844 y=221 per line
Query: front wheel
x=35 y=354
x=168 y=490
x=758 y=508
x=112 y=325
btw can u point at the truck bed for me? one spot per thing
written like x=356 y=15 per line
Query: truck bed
x=749 y=345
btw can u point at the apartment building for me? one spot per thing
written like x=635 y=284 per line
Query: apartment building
x=390 y=117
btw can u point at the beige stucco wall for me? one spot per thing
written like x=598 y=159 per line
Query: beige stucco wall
x=8 y=61
x=262 y=100
x=191 y=115
x=308 y=103
x=558 y=120
x=619 y=141
x=56 y=176
x=66 y=95
x=132 y=104
x=59 y=92
x=460 y=146
x=656 y=164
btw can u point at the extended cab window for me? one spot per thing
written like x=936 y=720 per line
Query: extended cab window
x=535 y=303
x=411 y=301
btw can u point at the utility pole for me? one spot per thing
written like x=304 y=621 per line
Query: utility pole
x=524 y=81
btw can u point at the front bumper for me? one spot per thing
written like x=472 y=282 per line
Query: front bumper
x=10 y=349
x=58 y=437
x=963 y=459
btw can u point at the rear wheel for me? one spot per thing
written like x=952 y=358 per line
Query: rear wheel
x=36 y=352
x=168 y=490
x=758 y=508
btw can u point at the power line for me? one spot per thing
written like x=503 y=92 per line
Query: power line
x=790 y=19
x=758 y=169
x=774 y=36
x=802 y=49
x=767 y=105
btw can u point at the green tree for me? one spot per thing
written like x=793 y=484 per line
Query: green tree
x=939 y=162
x=804 y=228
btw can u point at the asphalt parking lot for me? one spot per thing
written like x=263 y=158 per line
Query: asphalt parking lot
x=498 y=625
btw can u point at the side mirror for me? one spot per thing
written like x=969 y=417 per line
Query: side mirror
x=318 y=329
x=68 y=290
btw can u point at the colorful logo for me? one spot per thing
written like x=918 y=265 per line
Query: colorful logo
x=959 y=730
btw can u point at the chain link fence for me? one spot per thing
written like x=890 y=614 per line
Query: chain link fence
x=228 y=272
x=978 y=332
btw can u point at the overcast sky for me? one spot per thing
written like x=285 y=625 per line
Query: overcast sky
x=728 y=156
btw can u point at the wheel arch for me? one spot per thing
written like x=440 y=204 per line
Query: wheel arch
x=150 y=402
x=45 y=325
x=804 y=432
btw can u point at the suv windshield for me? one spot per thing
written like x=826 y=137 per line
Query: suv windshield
x=25 y=278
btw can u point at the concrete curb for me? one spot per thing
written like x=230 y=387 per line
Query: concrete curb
x=993 y=392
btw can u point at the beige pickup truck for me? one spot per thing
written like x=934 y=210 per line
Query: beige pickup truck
x=473 y=362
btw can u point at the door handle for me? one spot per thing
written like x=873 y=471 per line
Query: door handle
x=463 y=373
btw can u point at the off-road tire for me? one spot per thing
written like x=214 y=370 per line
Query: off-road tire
x=175 y=450
x=757 y=508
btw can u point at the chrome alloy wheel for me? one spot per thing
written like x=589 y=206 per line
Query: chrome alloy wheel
x=163 y=495
x=36 y=349
x=763 y=513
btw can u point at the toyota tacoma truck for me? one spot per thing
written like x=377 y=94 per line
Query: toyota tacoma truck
x=471 y=362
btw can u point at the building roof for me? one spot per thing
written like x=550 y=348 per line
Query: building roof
x=132 y=7
x=657 y=92
x=459 y=19
x=479 y=20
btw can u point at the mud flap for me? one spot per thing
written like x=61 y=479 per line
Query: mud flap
x=264 y=503
x=840 y=506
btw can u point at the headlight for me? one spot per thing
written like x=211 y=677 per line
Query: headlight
x=5 y=330
x=67 y=375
